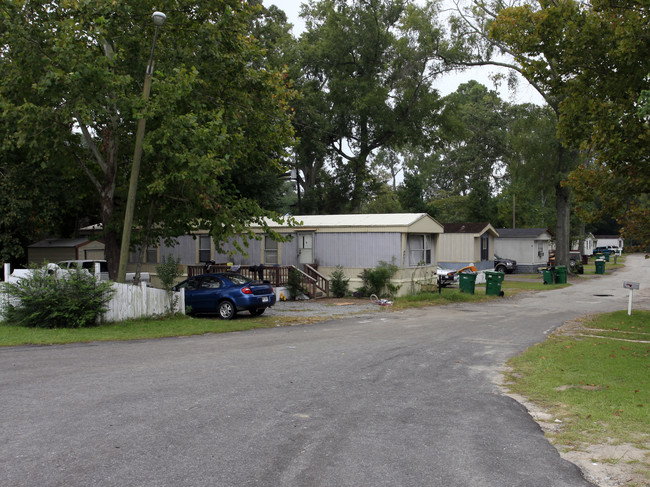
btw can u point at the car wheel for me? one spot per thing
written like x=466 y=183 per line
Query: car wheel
x=500 y=268
x=226 y=310
x=257 y=312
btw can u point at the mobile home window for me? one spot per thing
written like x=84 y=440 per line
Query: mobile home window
x=270 y=251
x=204 y=248
x=419 y=249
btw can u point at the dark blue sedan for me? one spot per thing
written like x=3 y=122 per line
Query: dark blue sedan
x=226 y=293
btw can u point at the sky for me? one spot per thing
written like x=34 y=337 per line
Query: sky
x=447 y=83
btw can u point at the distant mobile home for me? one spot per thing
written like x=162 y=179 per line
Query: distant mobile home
x=462 y=244
x=528 y=246
x=355 y=242
x=609 y=240
x=58 y=249
x=588 y=245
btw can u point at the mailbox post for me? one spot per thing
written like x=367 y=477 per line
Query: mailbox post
x=631 y=286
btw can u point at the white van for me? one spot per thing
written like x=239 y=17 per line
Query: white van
x=89 y=265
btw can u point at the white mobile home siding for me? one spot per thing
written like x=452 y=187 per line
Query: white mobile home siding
x=524 y=250
x=348 y=249
x=457 y=247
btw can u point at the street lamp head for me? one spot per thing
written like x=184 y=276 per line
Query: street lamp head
x=158 y=18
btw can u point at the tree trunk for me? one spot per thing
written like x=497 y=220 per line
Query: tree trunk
x=581 y=241
x=562 y=235
x=359 y=168
x=111 y=238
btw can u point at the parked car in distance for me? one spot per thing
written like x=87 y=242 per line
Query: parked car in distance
x=446 y=276
x=225 y=294
x=507 y=266
x=609 y=249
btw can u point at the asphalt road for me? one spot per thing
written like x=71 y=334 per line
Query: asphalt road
x=389 y=399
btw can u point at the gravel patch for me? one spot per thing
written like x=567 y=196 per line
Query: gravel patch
x=325 y=307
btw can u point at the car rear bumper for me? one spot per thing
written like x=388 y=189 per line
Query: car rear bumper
x=248 y=302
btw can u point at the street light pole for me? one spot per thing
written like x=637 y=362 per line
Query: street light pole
x=158 y=20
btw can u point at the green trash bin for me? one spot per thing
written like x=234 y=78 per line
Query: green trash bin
x=600 y=266
x=560 y=274
x=493 y=282
x=548 y=274
x=606 y=254
x=466 y=282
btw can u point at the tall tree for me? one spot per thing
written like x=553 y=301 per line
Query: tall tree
x=469 y=158
x=218 y=123
x=528 y=197
x=604 y=58
x=35 y=197
x=366 y=73
x=520 y=37
x=474 y=158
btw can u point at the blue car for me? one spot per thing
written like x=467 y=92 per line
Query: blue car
x=226 y=293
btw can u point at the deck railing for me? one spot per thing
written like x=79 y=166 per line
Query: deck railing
x=322 y=283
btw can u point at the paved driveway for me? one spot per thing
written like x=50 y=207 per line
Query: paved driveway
x=387 y=399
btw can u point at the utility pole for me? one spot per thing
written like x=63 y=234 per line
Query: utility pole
x=158 y=20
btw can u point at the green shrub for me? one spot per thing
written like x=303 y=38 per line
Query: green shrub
x=377 y=281
x=75 y=299
x=294 y=284
x=338 y=282
x=168 y=271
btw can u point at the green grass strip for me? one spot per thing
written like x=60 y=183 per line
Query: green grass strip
x=599 y=387
x=134 y=330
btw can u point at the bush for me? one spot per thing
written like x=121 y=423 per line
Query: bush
x=376 y=280
x=74 y=299
x=294 y=284
x=168 y=271
x=338 y=282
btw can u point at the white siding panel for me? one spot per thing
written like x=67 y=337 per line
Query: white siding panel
x=289 y=251
x=357 y=250
x=457 y=247
x=185 y=248
x=523 y=250
x=231 y=254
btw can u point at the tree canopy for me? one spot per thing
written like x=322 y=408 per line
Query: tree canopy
x=593 y=57
x=218 y=120
x=366 y=71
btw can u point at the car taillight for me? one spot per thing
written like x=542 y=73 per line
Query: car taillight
x=246 y=290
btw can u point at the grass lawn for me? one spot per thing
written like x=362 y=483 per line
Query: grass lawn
x=595 y=377
x=185 y=326
x=590 y=268
x=179 y=325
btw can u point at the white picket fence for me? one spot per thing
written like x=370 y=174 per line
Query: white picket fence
x=133 y=302
x=130 y=302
